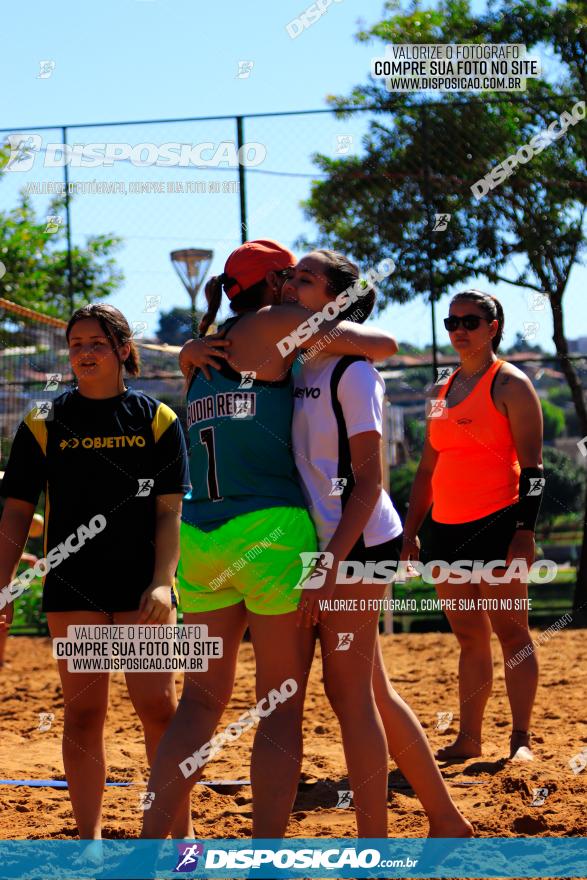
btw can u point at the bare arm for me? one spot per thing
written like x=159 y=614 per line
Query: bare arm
x=167 y=537
x=366 y=465
x=351 y=338
x=202 y=353
x=420 y=499
x=14 y=529
x=291 y=327
x=156 y=600
x=524 y=412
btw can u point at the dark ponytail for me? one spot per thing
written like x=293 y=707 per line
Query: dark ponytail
x=116 y=329
x=491 y=308
x=343 y=274
x=213 y=292
x=249 y=300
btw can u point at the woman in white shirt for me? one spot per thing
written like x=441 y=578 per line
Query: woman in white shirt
x=337 y=428
x=338 y=404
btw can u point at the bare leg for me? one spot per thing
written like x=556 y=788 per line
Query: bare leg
x=85 y=700
x=348 y=678
x=154 y=697
x=283 y=651
x=411 y=751
x=3 y=639
x=521 y=677
x=473 y=631
x=203 y=700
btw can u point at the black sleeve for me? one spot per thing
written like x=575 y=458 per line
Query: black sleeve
x=532 y=484
x=171 y=462
x=26 y=471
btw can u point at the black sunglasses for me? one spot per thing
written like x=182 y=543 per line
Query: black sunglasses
x=469 y=322
x=285 y=274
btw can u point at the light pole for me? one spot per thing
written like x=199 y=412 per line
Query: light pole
x=191 y=265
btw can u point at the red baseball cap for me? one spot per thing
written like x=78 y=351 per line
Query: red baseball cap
x=249 y=264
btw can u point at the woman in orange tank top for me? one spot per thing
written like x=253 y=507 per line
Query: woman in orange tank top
x=481 y=476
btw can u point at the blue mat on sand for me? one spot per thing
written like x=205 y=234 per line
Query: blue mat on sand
x=61 y=783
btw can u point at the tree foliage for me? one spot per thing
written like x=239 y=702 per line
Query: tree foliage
x=554 y=420
x=401 y=479
x=36 y=261
x=565 y=485
x=175 y=326
x=420 y=158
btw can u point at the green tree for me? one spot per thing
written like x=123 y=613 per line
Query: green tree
x=400 y=480
x=521 y=345
x=565 y=485
x=554 y=420
x=559 y=394
x=175 y=326
x=415 y=435
x=374 y=205
x=421 y=158
x=36 y=260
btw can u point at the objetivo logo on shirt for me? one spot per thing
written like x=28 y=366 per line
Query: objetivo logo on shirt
x=119 y=442
x=307 y=392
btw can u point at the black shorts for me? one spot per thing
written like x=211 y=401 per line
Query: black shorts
x=389 y=550
x=363 y=562
x=74 y=600
x=485 y=539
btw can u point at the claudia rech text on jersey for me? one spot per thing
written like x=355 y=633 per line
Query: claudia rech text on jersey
x=225 y=404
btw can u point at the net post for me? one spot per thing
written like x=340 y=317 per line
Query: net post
x=68 y=223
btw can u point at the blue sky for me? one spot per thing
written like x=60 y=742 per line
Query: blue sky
x=158 y=59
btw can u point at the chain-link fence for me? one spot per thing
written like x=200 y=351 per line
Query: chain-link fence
x=397 y=172
x=212 y=183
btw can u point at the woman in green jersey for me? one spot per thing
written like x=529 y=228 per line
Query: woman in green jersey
x=244 y=527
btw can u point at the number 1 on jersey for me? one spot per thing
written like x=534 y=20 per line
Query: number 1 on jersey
x=207 y=438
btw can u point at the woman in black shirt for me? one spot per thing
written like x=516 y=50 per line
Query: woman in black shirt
x=113 y=464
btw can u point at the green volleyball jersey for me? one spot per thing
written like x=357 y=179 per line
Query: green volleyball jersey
x=241 y=457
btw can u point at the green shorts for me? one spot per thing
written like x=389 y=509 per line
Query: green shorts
x=253 y=558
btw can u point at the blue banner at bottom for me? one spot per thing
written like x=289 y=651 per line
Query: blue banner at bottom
x=289 y=858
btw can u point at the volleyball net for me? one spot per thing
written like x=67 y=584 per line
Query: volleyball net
x=34 y=366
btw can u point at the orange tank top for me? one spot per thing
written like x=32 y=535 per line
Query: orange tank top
x=477 y=471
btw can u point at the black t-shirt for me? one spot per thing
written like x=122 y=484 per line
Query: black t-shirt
x=102 y=464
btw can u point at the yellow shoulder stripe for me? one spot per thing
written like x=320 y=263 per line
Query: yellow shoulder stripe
x=164 y=417
x=38 y=428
